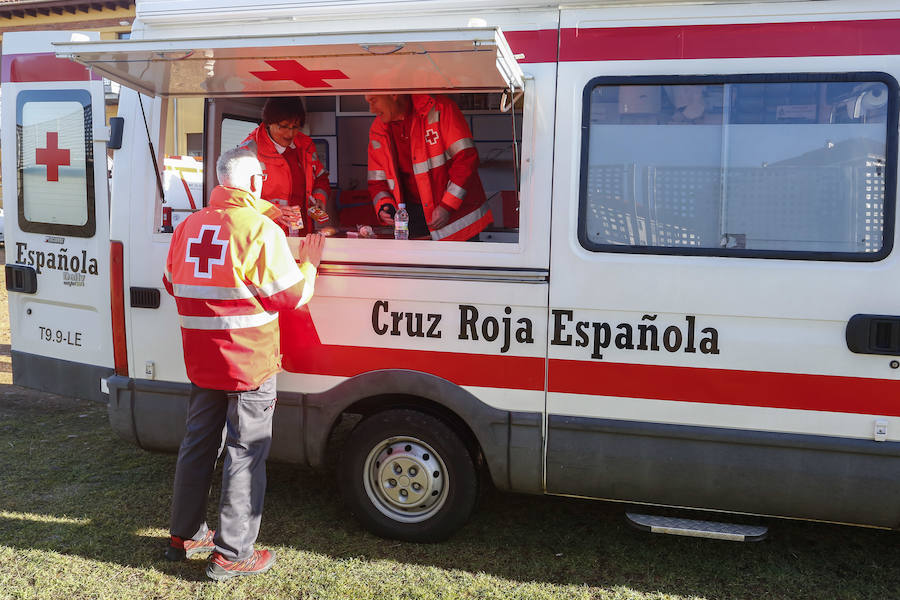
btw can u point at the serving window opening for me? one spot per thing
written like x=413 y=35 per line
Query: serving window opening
x=338 y=126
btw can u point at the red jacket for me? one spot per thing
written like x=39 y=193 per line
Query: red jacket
x=231 y=271
x=277 y=185
x=445 y=165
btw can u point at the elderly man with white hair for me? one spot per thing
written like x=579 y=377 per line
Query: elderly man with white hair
x=231 y=271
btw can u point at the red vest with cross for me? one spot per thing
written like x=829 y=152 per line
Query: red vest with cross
x=231 y=271
x=445 y=167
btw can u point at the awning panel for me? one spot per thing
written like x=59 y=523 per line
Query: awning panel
x=477 y=59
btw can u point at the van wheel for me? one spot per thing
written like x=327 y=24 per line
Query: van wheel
x=406 y=475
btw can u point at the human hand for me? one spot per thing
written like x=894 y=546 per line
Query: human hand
x=439 y=217
x=291 y=219
x=385 y=216
x=311 y=248
x=318 y=214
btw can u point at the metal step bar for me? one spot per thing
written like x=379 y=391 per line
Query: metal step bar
x=696 y=528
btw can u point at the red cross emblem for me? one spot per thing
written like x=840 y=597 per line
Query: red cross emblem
x=291 y=70
x=53 y=156
x=431 y=136
x=206 y=250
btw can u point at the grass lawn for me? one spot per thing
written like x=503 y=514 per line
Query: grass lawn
x=84 y=515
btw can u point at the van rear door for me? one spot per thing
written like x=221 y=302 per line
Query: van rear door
x=57 y=226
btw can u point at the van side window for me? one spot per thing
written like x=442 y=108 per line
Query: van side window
x=55 y=164
x=777 y=166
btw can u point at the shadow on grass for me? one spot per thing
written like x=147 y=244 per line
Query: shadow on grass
x=72 y=487
x=581 y=542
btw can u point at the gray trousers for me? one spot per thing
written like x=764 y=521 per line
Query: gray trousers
x=247 y=420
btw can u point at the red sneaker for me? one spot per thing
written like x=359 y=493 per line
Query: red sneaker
x=180 y=549
x=220 y=568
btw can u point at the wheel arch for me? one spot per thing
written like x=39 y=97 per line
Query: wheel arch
x=487 y=431
x=371 y=405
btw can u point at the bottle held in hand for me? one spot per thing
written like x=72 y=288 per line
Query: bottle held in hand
x=401 y=223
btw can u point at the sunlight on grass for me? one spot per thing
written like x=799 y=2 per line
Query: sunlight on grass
x=36 y=518
x=151 y=532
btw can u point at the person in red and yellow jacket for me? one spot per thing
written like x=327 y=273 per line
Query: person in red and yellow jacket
x=421 y=153
x=231 y=271
x=294 y=174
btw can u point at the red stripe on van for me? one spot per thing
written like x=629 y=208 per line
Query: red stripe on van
x=42 y=66
x=744 y=40
x=856 y=395
x=483 y=370
x=117 y=306
x=720 y=386
x=537 y=46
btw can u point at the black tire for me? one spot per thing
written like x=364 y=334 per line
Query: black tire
x=435 y=484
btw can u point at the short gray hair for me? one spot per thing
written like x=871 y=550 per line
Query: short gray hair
x=233 y=166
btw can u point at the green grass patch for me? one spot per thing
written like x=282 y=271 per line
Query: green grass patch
x=85 y=515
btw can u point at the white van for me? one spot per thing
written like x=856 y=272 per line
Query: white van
x=688 y=298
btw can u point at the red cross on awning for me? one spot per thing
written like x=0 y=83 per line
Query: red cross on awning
x=206 y=250
x=291 y=70
x=52 y=156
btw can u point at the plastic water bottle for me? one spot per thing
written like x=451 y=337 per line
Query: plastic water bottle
x=401 y=223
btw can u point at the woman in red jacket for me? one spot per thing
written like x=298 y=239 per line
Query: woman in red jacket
x=294 y=174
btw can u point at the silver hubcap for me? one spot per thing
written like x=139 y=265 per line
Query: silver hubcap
x=405 y=479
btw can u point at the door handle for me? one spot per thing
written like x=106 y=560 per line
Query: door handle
x=20 y=278
x=874 y=334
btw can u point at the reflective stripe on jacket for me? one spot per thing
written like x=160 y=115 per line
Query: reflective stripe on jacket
x=445 y=166
x=277 y=185
x=231 y=271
